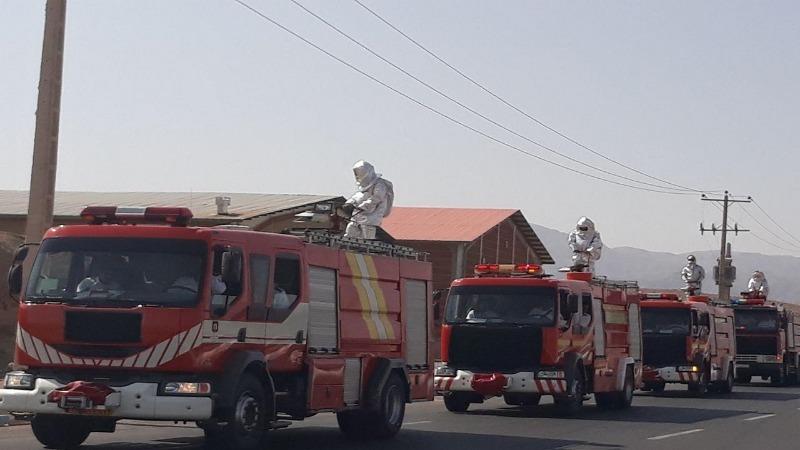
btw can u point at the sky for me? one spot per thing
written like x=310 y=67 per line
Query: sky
x=206 y=96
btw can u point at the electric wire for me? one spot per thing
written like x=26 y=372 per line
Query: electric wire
x=774 y=221
x=756 y=235
x=439 y=113
x=468 y=108
x=767 y=229
x=520 y=110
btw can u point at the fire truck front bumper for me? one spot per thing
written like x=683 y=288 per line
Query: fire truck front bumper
x=671 y=374
x=134 y=401
x=542 y=382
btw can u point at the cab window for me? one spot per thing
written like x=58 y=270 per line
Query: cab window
x=286 y=286
x=259 y=287
x=226 y=279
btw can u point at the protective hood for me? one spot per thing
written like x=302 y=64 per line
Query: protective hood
x=585 y=222
x=365 y=175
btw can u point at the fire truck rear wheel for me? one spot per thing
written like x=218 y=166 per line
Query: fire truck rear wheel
x=381 y=424
x=62 y=432
x=246 y=424
x=726 y=387
x=456 y=402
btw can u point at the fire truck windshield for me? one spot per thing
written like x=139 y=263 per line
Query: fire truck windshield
x=756 y=321
x=118 y=271
x=522 y=305
x=666 y=321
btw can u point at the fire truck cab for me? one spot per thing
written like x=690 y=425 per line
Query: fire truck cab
x=510 y=331
x=136 y=315
x=767 y=341
x=689 y=342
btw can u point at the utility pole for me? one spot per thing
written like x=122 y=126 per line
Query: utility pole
x=48 y=108
x=725 y=274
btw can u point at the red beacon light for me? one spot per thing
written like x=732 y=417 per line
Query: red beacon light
x=122 y=215
x=660 y=296
x=509 y=269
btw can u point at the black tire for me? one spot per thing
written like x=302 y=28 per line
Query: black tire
x=571 y=403
x=619 y=399
x=781 y=378
x=60 y=432
x=743 y=378
x=726 y=387
x=700 y=388
x=523 y=400
x=625 y=397
x=246 y=424
x=456 y=402
x=383 y=423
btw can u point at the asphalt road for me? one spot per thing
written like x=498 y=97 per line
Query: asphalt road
x=752 y=417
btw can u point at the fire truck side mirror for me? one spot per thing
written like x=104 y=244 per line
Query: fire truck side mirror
x=15 y=281
x=231 y=268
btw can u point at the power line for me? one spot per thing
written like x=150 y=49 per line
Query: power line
x=774 y=221
x=518 y=109
x=755 y=235
x=768 y=230
x=439 y=113
x=467 y=108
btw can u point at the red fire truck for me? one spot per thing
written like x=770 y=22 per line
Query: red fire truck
x=138 y=316
x=512 y=332
x=767 y=341
x=690 y=342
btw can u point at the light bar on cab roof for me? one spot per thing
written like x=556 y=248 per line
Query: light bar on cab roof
x=98 y=215
x=509 y=269
x=660 y=296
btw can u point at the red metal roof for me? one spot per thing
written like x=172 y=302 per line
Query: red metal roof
x=456 y=225
x=442 y=224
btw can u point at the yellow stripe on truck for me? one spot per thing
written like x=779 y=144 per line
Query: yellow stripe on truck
x=384 y=308
x=362 y=295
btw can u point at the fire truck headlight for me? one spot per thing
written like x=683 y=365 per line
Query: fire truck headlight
x=688 y=369
x=186 y=388
x=444 y=371
x=19 y=380
x=550 y=374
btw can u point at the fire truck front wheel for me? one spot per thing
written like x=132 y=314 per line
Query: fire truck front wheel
x=383 y=423
x=63 y=432
x=701 y=386
x=572 y=402
x=246 y=423
x=457 y=402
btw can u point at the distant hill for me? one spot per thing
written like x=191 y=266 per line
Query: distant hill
x=661 y=270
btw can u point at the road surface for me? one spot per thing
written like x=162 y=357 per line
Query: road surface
x=752 y=417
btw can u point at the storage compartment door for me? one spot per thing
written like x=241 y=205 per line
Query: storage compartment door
x=416 y=323
x=634 y=332
x=322 y=320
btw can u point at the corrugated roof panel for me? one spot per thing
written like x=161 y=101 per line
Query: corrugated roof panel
x=202 y=204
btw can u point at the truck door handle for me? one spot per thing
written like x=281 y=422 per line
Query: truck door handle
x=242 y=336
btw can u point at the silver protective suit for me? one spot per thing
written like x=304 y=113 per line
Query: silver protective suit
x=758 y=283
x=371 y=202
x=693 y=275
x=586 y=245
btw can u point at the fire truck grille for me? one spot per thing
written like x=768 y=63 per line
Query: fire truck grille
x=102 y=327
x=661 y=350
x=756 y=345
x=495 y=348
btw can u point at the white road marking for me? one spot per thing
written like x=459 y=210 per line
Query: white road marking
x=418 y=423
x=666 y=436
x=765 y=416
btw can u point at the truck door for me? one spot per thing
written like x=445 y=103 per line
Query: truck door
x=287 y=314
